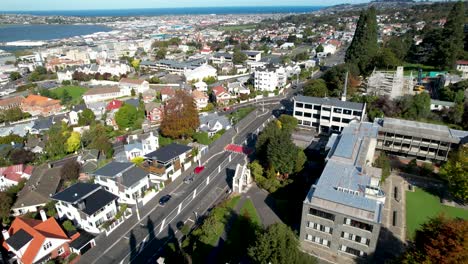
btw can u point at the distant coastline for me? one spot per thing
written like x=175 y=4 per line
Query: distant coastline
x=173 y=11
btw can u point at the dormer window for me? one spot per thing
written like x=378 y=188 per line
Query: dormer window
x=47 y=245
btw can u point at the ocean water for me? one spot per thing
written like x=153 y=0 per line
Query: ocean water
x=174 y=11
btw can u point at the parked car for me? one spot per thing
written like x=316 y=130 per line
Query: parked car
x=198 y=169
x=165 y=199
x=188 y=179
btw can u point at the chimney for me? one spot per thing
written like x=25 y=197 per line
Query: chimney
x=43 y=215
x=5 y=234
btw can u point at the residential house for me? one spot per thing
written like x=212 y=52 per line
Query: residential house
x=65 y=75
x=12 y=102
x=221 y=95
x=154 y=112
x=42 y=184
x=98 y=108
x=127 y=85
x=89 y=160
x=36 y=241
x=167 y=93
x=101 y=94
x=12 y=175
x=149 y=95
x=138 y=146
x=35 y=144
x=237 y=88
x=114 y=105
x=87 y=205
x=253 y=55
x=200 y=98
x=74 y=113
x=40 y=105
x=200 y=73
x=462 y=66
x=123 y=179
x=168 y=162
x=133 y=102
x=221 y=57
x=201 y=86
x=212 y=123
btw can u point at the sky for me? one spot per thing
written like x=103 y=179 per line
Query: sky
x=40 y=5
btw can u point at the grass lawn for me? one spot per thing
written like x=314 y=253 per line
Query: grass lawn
x=240 y=113
x=76 y=92
x=249 y=209
x=231 y=204
x=421 y=205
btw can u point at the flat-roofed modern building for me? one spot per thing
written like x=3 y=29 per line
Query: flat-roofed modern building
x=417 y=139
x=342 y=212
x=327 y=115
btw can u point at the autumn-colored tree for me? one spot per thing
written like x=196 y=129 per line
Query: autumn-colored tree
x=440 y=240
x=180 y=116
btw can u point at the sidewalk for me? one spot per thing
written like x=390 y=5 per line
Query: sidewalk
x=259 y=198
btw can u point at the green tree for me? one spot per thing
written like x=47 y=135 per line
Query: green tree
x=70 y=171
x=68 y=226
x=239 y=57
x=455 y=172
x=86 y=117
x=56 y=138
x=65 y=97
x=319 y=48
x=386 y=59
x=278 y=245
x=452 y=46
x=15 y=76
x=288 y=123
x=49 y=208
x=256 y=170
x=301 y=159
x=384 y=163
x=126 y=116
x=5 y=206
x=364 y=46
x=161 y=53
x=316 y=88
x=73 y=142
x=439 y=240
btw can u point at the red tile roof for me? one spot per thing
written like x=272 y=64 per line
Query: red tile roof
x=14 y=172
x=462 y=62
x=33 y=100
x=114 y=104
x=39 y=230
x=218 y=90
x=167 y=91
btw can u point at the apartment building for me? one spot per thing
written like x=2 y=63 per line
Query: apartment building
x=417 y=139
x=343 y=210
x=269 y=78
x=327 y=115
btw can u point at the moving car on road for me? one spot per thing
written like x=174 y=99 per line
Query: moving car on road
x=165 y=199
x=189 y=179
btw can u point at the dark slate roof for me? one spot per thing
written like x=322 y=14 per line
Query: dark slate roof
x=19 y=239
x=329 y=101
x=113 y=168
x=132 y=176
x=98 y=200
x=76 y=192
x=134 y=102
x=168 y=153
x=43 y=123
x=82 y=240
x=77 y=108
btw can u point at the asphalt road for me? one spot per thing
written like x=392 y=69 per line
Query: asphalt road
x=136 y=241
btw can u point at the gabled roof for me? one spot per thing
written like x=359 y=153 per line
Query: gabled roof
x=132 y=176
x=36 y=232
x=167 y=91
x=133 y=102
x=37 y=100
x=113 y=168
x=131 y=81
x=168 y=153
x=102 y=90
x=76 y=192
x=218 y=90
x=114 y=104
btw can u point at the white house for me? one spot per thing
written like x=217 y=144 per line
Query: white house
x=329 y=49
x=73 y=115
x=138 y=147
x=212 y=123
x=201 y=86
x=270 y=78
x=127 y=85
x=200 y=73
x=123 y=179
x=287 y=45
x=12 y=175
x=437 y=105
x=462 y=66
x=101 y=94
x=64 y=75
x=169 y=161
x=200 y=98
x=87 y=205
